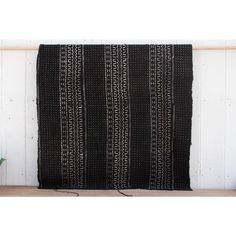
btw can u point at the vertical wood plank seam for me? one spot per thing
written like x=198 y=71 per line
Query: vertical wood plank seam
x=200 y=133
x=25 y=101
x=5 y=144
x=1 y=110
x=225 y=111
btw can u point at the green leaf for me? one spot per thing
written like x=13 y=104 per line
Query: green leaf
x=2 y=160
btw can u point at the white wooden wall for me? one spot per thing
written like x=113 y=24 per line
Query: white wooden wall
x=213 y=150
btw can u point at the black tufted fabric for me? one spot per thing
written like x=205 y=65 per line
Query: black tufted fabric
x=114 y=116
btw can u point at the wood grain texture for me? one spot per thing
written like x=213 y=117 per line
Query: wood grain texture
x=213 y=150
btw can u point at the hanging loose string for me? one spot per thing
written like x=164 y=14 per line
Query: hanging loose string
x=77 y=194
x=127 y=195
x=65 y=191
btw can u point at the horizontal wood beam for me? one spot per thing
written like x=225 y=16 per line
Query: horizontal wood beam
x=35 y=48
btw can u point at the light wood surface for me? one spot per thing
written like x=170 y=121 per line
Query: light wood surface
x=25 y=191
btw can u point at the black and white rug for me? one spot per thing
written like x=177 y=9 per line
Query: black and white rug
x=114 y=116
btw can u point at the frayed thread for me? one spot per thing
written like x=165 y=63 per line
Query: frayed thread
x=70 y=192
x=127 y=195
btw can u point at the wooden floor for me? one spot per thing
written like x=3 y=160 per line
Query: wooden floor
x=13 y=191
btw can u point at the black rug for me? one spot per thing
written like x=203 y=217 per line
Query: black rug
x=114 y=116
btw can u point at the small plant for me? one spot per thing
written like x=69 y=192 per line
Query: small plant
x=1 y=160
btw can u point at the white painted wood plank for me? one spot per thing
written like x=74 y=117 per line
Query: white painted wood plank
x=31 y=145
x=2 y=136
x=212 y=119
x=1 y=112
x=212 y=146
x=13 y=72
x=230 y=160
x=3 y=127
x=230 y=145
x=195 y=147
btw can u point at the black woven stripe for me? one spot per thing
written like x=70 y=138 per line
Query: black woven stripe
x=94 y=76
x=183 y=112
x=49 y=162
x=140 y=115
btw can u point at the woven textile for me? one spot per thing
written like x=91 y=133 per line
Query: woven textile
x=114 y=116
